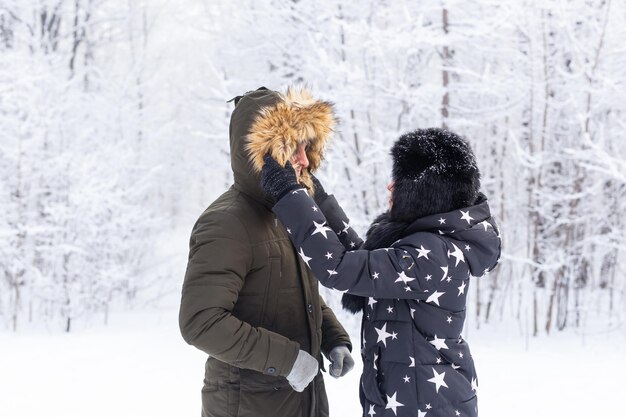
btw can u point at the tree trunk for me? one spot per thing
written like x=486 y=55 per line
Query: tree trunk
x=446 y=61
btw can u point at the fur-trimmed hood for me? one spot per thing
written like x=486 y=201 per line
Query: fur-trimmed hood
x=268 y=121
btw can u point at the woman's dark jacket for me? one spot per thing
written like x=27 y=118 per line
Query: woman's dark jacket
x=415 y=362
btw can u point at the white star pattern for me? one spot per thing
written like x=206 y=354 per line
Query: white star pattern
x=438 y=343
x=466 y=216
x=402 y=277
x=456 y=412
x=421 y=413
x=467 y=247
x=389 y=309
x=371 y=302
x=434 y=297
x=428 y=406
x=449 y=319
x=412 y=360
x=329 y=255
x=454 y=366
x=445 y=272
x=428 y=277
x=382 y=334
x=321 y=228
x=474 y=385
x=442 y=220
x=346 y=226
x=458 y=254
x=375 y=276
x=314 y=208
x=438 y=380
x=461 y=355
x=422 y=252
x=352 y=244
x=331 y=272
x=289 y=230
x=485 y=224
x=407 y=379
x=375 y=360
x=412 y=313
x=461 y=289
x=393 y=403
x=305 y=258
x=371 y=412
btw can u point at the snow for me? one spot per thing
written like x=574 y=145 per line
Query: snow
x=97 y=160
x=139 y=365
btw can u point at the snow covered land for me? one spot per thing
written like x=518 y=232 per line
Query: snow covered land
x=138 y=365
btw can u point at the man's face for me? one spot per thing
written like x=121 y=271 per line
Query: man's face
x=299 y=159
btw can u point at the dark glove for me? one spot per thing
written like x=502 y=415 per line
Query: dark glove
x=320 y=194
x=276 y=180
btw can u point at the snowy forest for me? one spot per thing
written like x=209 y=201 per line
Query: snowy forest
x=114 y=137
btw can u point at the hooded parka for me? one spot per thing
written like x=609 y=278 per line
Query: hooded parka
x=247 y=299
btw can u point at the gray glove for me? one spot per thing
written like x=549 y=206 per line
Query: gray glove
x=341 y=361
x=304 y=370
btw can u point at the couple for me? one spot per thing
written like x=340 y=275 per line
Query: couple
x=250 y=298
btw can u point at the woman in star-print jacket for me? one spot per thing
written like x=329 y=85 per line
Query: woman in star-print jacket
x=411 y=276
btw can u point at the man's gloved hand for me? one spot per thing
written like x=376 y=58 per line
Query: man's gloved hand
x=320 y=194
x=341 y=361
x=304 y=370
x=277 y=181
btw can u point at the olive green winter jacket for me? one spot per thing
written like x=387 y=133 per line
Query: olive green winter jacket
x=248 y=301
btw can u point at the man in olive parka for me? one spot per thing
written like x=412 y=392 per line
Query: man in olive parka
x=247 y=299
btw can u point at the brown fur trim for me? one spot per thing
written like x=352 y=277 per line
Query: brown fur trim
x=296 y=118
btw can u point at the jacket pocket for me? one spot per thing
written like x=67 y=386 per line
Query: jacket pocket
x=270 y=298
x=370 y=380
x=219 y=399
x=263 y=395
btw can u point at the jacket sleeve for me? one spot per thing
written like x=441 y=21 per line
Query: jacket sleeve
x=220 y=258
x=396 y=272
x=339 y=222
x=333 y=333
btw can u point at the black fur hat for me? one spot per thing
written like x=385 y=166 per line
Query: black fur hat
x=434 y=171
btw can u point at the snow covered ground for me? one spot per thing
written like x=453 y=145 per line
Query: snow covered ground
x=138 y=365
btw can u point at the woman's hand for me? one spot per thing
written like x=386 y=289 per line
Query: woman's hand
x=276 y=180
x=320 y=194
